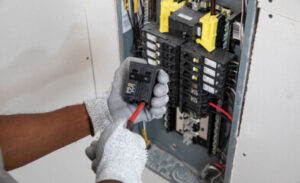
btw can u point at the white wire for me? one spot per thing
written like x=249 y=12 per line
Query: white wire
x=144 y=125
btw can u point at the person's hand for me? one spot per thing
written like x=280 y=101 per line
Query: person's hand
x=4 y=176
x=120 y=109
x=119 y=154
x=112 y=107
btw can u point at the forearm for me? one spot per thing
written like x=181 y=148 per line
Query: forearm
x=27 y=137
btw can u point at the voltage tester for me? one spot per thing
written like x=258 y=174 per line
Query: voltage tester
x=139 y=87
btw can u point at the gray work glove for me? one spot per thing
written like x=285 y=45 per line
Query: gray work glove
x=4 y=176
x=119 y=154
x=112 y=107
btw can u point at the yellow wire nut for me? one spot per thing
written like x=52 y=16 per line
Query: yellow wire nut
x=166 y=7
x=209 y=32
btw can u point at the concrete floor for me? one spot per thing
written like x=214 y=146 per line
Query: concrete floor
x=150 y=177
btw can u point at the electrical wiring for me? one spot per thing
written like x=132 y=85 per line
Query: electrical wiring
x=221 y=110
x=230 y=92
x=137 y=23
x=234 y=71
x=232 y=80
x=130 y=19
x=219 y=166
x=235 y=62
x=212 y=7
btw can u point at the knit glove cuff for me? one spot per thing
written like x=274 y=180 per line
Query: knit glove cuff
x=98 y=112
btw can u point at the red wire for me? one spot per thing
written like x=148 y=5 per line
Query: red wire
x=137 y=112
x=221 y=110
x=219 y=166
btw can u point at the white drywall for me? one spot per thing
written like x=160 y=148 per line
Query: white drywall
x=286 y=8
x=268 y=146
x=104 y=38
x=48 y=52
x=46 y=64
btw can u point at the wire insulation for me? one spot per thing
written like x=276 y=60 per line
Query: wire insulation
x=213 y=7
x=219 y=166
x=221 y=110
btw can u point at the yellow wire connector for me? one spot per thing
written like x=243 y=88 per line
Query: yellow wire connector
x=208 y=31
x=166 y=7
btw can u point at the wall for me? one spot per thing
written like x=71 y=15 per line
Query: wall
x=48 y=52
x=268 y=145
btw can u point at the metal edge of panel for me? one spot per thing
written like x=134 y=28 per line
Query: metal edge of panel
x=120 y=29
x=248 y=39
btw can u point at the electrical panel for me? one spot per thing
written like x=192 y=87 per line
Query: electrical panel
x=199 y=49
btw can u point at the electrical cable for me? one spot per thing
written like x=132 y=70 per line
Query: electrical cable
x=221 y=110
x=130 y=20
x=219 y=166
x=212 y=7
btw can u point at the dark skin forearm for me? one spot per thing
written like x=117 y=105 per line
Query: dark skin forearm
x=27 y=137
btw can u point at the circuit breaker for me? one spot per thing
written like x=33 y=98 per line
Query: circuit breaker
x=140 y=83
x=163 y=50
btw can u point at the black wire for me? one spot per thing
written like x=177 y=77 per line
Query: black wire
x=130 y=20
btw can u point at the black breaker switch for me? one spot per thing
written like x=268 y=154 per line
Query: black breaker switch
x=140 y=84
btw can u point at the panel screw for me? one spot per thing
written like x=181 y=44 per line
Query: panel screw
x=270 y=16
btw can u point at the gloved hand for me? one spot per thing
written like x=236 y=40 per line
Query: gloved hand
x=119 y=154
x=112 y=107
x=4 y=176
